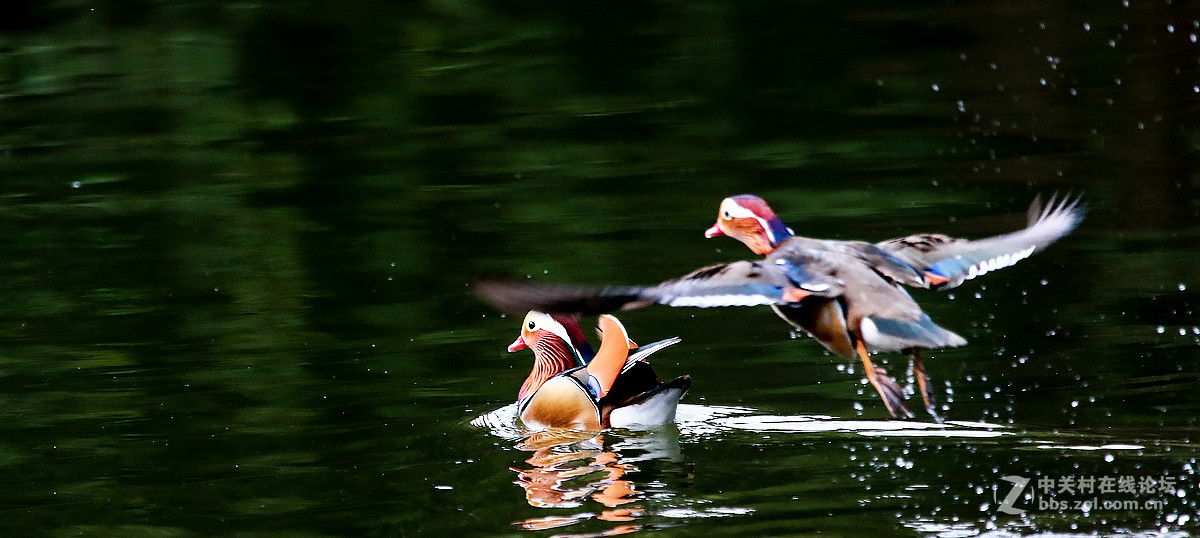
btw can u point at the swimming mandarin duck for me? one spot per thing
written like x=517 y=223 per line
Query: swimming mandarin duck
x=848 y=295
x=613 y=389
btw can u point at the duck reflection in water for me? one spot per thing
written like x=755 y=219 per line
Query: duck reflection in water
x=569 y=467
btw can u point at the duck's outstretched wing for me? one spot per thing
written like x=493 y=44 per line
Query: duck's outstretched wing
x=743 y=283
x=946 y=261
x=516 y=296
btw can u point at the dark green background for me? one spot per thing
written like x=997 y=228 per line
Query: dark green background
x=238 y=237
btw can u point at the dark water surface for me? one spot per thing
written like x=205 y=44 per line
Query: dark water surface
x=238 y=240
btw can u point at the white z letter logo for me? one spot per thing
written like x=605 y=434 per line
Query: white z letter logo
x=1019 y=483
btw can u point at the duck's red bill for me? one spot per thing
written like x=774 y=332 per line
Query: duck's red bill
x=517 y=344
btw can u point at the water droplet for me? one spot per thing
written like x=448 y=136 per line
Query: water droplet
x=935 y=87
x=76 y=184
x=1160 y=329
x=1182 y=286
x=1108 y=458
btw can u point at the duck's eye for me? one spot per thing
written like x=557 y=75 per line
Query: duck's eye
x=726 y=214
x=532 y=325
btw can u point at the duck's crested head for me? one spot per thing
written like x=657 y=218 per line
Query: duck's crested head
x=537 y=326
x=749 y=219
x=552 y=339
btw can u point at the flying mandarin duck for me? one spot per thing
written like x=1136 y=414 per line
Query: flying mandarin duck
x=848 y=295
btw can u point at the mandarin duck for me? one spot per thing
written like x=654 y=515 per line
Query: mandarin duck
x=849 y=295
x=613 y=389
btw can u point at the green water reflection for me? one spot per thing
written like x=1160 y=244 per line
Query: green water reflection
x=239 y=238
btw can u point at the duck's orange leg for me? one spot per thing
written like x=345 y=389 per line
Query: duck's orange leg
x=888 y=389
x=923 y=381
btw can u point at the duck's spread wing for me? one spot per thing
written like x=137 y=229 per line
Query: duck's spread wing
x=517 y=296
x=742 y=283
x=946 y=262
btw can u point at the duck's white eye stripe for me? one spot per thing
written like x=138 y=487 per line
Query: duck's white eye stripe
x=739 y=212
x=731 y=210
x=547 y=323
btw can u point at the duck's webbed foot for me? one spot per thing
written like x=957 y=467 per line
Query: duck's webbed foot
x=888 y=389
x=924 y=384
